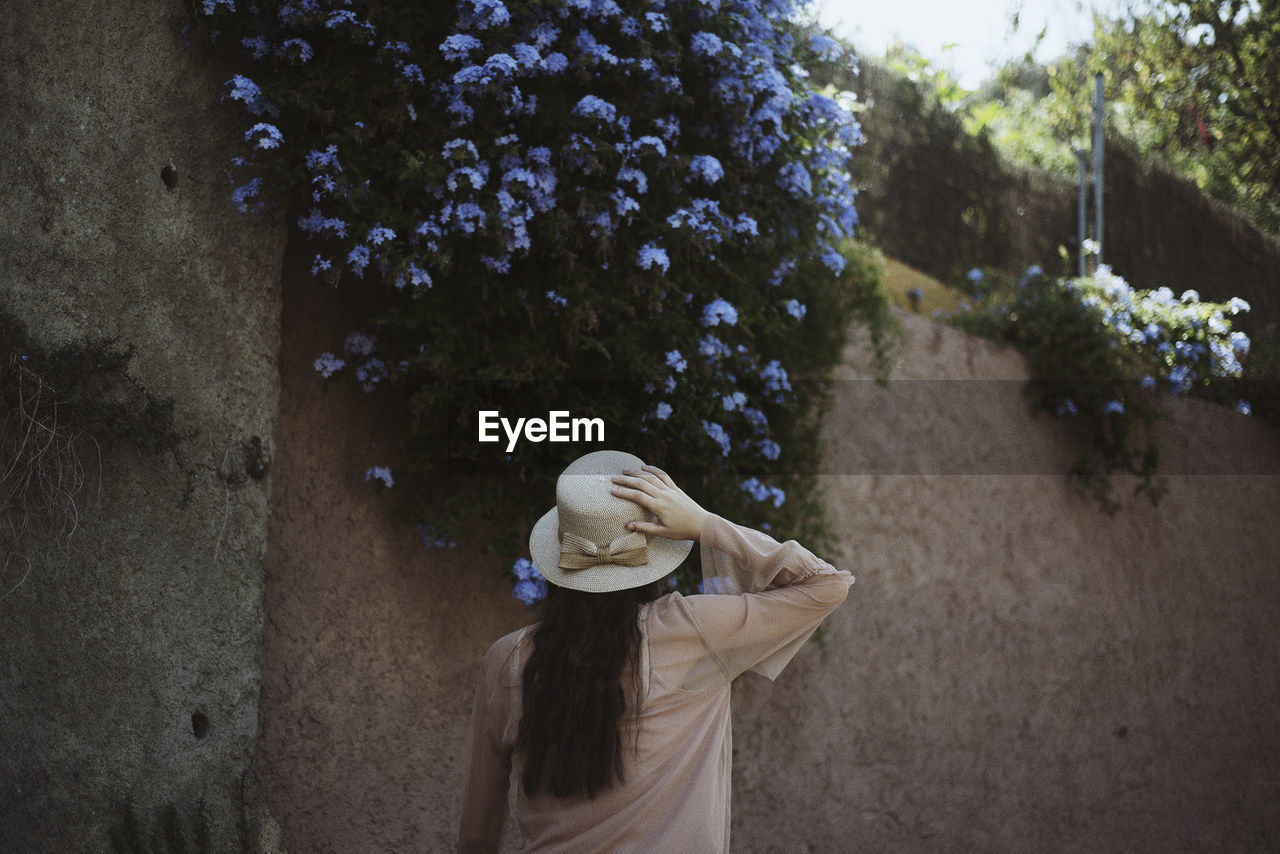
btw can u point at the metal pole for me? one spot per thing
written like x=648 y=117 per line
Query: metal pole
x=1082 y=217
x=1098 y=193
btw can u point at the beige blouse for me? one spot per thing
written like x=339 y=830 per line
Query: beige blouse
x=676 y=794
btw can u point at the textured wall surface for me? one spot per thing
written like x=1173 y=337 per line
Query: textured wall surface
x=371 y=641
x=1013 y=671
x=148 y=619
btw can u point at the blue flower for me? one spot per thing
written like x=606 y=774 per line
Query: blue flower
x=379 y=473
x=460 y=149
x=456 y=47
x=344 y=16
x=489 y=13
x=659 y=147
x=469 y=217
x=733 y=401
x=590 y=106
x=418 y=277
x=712 y=347
x=501 y=64
x=257 y=44
x=379 y=235
x=676 y=362
x=651 y=255
x=413 y=72
x=1113 y=407
x=358 y=258
x=264 y=136
x=1067 y=407
x=706 y=168
x=1243 y=407
x=757 y=419
x=796 y=309
x=795 y=179
x=359 y=344
x=554 y=63
x=242 y=89
x=769 y=449
x=719 y=311
x=746 y=225
x=775 y=377
x=663 y=411
x=591 y=48
x=763 y=492
x=780 y=272
x=327 y=159
x=530 y=586
x=371 y=373
x=718 y=435
x=833 y=260
x=557 y=299
x=328 y=364
x=706 y=44
x=241 y=195
x=975 y=276
x=827 y=48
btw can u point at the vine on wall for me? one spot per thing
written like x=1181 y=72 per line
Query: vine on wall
x=633 y=211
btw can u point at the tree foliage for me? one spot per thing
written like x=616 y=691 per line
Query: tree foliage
x=1195 y=84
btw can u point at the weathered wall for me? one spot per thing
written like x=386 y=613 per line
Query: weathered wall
x=151 y=612
x=1013 y=671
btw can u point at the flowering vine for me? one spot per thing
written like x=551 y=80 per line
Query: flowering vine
x=565 y=193
x=1103 y=354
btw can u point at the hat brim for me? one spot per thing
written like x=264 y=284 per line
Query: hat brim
x=544 y=547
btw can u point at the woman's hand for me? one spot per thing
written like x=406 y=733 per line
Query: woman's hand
x=679 y=516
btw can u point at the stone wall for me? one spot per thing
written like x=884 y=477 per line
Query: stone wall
x=129 y=667
x=1013 y=671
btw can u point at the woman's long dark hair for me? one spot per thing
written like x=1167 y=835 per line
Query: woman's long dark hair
x=574 y=706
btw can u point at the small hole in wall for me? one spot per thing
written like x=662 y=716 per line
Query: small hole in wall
x=199 y=724
x=169 y=174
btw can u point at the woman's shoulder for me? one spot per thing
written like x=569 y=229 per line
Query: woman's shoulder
x=505 y=654
x=669 y=613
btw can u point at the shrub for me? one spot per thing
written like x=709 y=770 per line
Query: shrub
x=629 y=211
x=1103 y=354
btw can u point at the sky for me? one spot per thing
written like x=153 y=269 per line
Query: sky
x=964 y=36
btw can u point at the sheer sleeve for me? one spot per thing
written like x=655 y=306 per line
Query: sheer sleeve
x=484 y=806
x=767 y=598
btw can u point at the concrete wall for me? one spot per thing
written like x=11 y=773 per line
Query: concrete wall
x=151 y=612
x=1014 y=670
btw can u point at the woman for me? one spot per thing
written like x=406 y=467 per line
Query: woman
x=614 y=707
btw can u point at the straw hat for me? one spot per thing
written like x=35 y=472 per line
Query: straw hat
x=583 y=543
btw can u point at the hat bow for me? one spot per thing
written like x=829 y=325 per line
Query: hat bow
x=578 y=552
